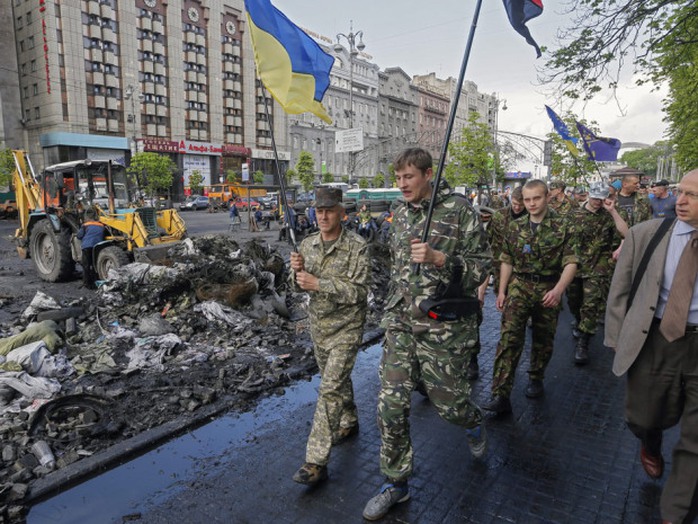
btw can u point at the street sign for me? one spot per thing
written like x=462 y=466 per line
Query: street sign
x=349 y=140
x=245 y=172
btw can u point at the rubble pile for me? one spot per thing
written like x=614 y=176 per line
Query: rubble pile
x=214 y=325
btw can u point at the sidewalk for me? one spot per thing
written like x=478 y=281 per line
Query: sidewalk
x=566 y=458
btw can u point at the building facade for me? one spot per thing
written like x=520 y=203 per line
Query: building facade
x=106 y=78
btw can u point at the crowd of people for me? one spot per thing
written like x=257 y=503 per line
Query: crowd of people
x=601 y=248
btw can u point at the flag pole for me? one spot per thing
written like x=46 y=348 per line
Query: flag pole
x=449 y=127
x=281 y=176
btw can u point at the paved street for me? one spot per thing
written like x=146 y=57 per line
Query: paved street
x=565 y=458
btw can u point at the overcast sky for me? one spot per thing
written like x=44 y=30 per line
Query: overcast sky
x=425 y=36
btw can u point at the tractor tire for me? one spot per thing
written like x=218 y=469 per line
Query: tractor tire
x=51 y=252
x=108 y=258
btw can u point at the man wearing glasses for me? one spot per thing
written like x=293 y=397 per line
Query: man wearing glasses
x=655 y=337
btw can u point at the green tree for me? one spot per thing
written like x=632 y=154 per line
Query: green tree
x=379 y=180
x=391 y=174
x=232 y=177
x=363 y=183
x=196 y=182
x=290 y=175
x=155 y=172
x=327 y=177
x=470 y=158
x=345 y=179
x=7 y=167
x=305 y=167
x=258 y=177
x=646 y=159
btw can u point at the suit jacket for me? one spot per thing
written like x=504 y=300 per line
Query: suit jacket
x=627 y=332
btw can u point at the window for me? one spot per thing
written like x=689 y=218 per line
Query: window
x=25 y=89
x=19 y=22
x=35 y=89
x=21 y=46
x=30 y=42
x=33 y=66
x=27 y=115
x=29 y=17
x=37 y=113
x=24 y=68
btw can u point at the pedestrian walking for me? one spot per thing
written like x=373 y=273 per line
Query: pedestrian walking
x=419 y=345
x=594 y=231
x=332 y=265
x=558 y=199
x=90 y=234
x=663 y=203
x=538 y=263
x=652 y=324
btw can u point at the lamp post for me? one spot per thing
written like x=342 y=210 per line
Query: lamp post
x=131 y=95
x=496 y=101
x=354 y=50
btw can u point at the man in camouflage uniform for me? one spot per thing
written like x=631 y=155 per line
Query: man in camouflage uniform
x=594 y=231
x=496 y=228
x=558 y=199
x=419 y=347
x=332 y=265
x=538 y=263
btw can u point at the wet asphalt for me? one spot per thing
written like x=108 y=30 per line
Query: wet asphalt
x=564 y=458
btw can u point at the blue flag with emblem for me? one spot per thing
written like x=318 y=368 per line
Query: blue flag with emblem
x=562 y=130
x=292 y=66
x=599 y=148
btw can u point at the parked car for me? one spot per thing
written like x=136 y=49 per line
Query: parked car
x=267 y=202
x=194 y=203
x=243 y=204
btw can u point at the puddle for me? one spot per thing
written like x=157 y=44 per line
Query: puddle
x=157 y=475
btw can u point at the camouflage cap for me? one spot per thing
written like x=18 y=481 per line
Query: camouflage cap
x=328 y=197
x=598 y=190
x=557 y=184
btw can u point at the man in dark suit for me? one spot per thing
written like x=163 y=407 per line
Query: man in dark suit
x=656 y=343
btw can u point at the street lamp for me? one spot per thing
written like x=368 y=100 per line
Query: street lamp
x=131 y=95
x=354 y=50
x=496 y=101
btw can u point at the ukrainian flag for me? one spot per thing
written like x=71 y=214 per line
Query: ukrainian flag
x=292 y=66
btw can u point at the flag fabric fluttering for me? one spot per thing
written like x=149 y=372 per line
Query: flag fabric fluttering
x=520 y=12
x=599 y=148
x=292 y=66
x=564 y=132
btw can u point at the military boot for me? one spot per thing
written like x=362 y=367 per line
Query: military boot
x=581 y=350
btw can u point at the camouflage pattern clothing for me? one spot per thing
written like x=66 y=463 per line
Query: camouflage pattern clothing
x=416 y=347
x=497 y=201
x=337 y=313
x=538 y=258
x=564 y=206
x=595 y=237
x=496 y=231
x=640 y=211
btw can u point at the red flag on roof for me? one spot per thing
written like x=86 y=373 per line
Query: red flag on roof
x=520 y=12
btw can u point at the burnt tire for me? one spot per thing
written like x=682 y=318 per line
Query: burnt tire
x=108 y=258
x=50 y=251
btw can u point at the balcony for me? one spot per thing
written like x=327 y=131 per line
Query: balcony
x=112 y=81
x=162 y=130
x=201 y=78
x=100 y=102
x=96 y=55
x=190 y=57
x=101 y=124
x=229 y=103
x=236 y=68
x=262 y=125
x=157 y=27
x=93 y=8
x=108 y=35
x=146 y=23
x=159 y=69
x=151 y=129
x=228 y=48
x=190 y=38
x=110 y=58
x=113 y=125
x=228 y=84
x=148 y=88
x=237 y=103
x=95 y=30
x=237 y=86
x=201 y=59
x=147 y=66
x=112 y=103
x=228 y=67
x=98 y=78
x=191 y=76
x=203 y=98
x=105 y=11
x=201 y=40
x=149 y=108
x=236 y=49
x=160 y=90
x=161 y=110
x=158 y=48
x=147 y=45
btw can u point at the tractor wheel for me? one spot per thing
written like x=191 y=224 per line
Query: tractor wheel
x=51 y=253
x=108 y=258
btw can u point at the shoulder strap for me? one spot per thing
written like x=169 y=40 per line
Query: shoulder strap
x=658 y=235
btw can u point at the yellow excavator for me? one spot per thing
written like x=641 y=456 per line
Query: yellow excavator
x=51 y=208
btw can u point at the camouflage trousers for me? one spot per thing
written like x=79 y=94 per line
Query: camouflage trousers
x=437 y=355
x=586 y=298
x=524 y=301
x=335 y=406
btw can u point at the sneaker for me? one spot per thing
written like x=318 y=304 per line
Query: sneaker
x=389 y=495
x=473 y=372
x=534 y=388
x=345 y=434
x=310 y=474
x=477 y=440
x=498 y=404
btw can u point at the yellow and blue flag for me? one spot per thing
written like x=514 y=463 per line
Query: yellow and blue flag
x=599 y=148
x=292 y=66
x=563 y=131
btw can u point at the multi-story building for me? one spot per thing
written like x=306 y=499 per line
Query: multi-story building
x=398 y=113
x=103 y=78
x=432 y=120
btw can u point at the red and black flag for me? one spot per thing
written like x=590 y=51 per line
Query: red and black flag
x=520 y=12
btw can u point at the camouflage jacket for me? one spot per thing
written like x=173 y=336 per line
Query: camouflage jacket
x=456 y=231
x=641 y=211
x=496 y=230
x=564 y=206
x=545 y=252
x=595 y=236
x=345 y=276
